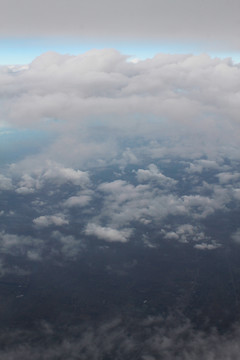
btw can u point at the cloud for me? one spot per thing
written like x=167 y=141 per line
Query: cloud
x=49 y=220
x=236 y=194
x=125 y=203
x=27 y=185
x=70 y=245
x=5 y=183
x=39 y=175
x=190 y=234
x=236 y=236
x=87 y=104
x=162 y=20
x=81 y=200
x=107 y=233
x=19 y=246
x=148 y=338
x=153 y=174
x=226 y=177
x=205 y=246
x=199 y=165
x=59 y=175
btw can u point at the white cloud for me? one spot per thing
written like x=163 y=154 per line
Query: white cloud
x=226 y=177
x=153 y=174
x=87 y=104
x=81 y=200
x=199 y=165
x=39 y=175
x=124 y=203
x=188 y=233
x=206 y=246
x=60 y=175
x=48 y=220
x=107 y=233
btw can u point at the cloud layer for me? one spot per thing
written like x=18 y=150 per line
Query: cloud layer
x=213 y=22
x=87 y=105
x=146 y=339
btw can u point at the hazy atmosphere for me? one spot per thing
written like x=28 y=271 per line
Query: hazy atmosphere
x=119 y=180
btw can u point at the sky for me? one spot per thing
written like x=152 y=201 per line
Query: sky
x=119 y=179
x=138 y=28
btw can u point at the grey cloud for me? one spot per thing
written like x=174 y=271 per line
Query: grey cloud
x=20 y=245
x=199 y=165
x=16 y=270
x=127 y=157
x=236 y=194
x=87 y=103
x=236 y=236
x=70 y=246
x=214 y=22
x=5 y=183
x=147 y=339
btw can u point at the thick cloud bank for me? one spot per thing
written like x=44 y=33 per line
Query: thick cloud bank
x=85 y=105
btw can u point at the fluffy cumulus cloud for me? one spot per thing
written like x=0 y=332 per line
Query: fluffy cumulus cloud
x=107 y=233
x=124 y=202
x=48 y=220
x=81 y=199
x=226 y=177
x=153 y=174
x=190 y=234
x=60 y=175
x=40 y=175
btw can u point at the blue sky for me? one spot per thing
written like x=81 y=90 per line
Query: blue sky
x=140 y=28
x=23 y=50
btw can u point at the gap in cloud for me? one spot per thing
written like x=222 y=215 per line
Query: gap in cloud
x=19 y=51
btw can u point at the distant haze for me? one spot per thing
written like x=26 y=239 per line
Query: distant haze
x=214 y=22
